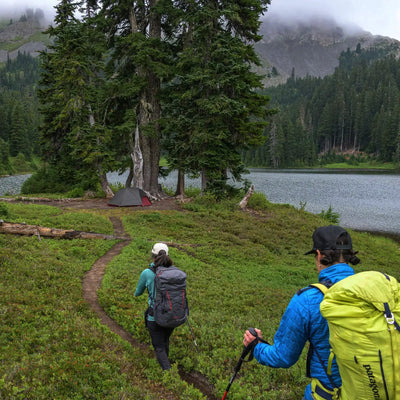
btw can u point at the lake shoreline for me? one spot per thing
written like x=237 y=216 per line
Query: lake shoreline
x=364 y=201
x=327 y=170
x=388 y=235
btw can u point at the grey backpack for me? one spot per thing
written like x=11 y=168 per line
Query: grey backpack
x=170 y=307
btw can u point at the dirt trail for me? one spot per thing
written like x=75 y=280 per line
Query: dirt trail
x=92 y=282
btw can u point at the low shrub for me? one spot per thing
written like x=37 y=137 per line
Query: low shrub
x=330 y=215
x=259 y=201
x=4 y=211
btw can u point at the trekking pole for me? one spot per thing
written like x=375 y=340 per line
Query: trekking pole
x=247 y=349
x=191 y=331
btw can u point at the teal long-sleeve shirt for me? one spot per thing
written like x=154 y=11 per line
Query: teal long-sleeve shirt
x=146 y=280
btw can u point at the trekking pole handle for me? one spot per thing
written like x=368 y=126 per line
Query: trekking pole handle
x=253 y=332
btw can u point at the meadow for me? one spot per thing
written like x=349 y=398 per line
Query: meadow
x=242 y=268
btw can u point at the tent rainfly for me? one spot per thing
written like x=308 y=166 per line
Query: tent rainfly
x=129 y=197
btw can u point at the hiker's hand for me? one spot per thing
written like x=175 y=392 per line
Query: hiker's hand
x=249 y=338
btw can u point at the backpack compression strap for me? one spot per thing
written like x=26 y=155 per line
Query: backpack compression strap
x=394 y=329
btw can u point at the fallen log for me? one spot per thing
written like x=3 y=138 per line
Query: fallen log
x=41 y=231
x=38 y=199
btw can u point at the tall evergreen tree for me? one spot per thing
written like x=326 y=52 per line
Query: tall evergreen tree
x=213 y=110
x=139 y=34
x=76 y=140
x=18 y=140
x=5 y=166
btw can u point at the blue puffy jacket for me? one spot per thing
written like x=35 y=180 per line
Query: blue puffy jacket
x=302 y=322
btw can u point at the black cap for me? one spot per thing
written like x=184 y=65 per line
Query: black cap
x=330 y=237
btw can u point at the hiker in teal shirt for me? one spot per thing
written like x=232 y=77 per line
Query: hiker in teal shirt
x=302 y=320
x=159 y=334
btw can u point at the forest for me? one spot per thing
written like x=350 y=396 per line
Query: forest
x=121 y=87
x=351 y=115
x=123 y=82
x=19 y=116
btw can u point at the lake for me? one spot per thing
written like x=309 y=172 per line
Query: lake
x=364 y=201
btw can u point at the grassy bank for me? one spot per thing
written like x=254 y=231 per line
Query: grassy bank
x=363 y=166
x=242 y=268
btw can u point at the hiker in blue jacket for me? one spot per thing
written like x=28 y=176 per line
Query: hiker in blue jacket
x=159 y=334
x=302 y=320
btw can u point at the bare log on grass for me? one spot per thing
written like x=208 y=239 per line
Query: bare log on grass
x=246 y=198
x=41 y=231
x=37 y=199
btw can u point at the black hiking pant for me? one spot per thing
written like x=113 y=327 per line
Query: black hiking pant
x=160 y=341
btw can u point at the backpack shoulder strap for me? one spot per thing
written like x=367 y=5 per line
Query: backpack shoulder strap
x=323 y=286
x=320 y=286
x=153 y=269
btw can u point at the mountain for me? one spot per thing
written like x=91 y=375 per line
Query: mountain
x=310 y=47
x=24 y=35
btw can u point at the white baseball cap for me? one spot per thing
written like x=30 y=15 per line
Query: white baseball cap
x=158 y=247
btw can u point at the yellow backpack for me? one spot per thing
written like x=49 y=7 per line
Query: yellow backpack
x=363 y=314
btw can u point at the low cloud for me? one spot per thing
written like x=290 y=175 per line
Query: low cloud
x=17 y=8
x=351 y=14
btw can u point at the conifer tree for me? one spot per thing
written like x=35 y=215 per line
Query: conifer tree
x=75 y=137
x=18 y=140
x=139 y=35
x=5 y=166
x=213 y=110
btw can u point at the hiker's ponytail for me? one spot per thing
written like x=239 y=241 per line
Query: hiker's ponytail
x=353 y=259
x=331 y=257
x=162 y=259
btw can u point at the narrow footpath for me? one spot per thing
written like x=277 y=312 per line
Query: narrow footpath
x=91 y=284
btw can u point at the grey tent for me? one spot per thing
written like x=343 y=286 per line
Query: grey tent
x=129 y=197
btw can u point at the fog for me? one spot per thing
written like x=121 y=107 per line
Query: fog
x=379 y=18
x=14 y=9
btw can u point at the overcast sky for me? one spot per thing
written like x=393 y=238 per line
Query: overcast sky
x=380 y=17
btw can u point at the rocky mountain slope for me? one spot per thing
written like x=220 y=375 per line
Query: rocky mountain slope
x=305 y=48
x=22 y=36
x=310 y=48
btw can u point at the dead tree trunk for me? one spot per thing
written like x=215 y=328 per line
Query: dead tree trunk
x=246 y=198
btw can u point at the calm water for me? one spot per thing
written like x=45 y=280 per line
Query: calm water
x=12 y=184
x=364 y=201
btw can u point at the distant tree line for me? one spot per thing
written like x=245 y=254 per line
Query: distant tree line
x=354 y=111
x=19 y=116
x=32 y=15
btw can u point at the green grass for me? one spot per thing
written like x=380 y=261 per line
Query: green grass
x=361 y=165
x=242 y=271
x=54 y=217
